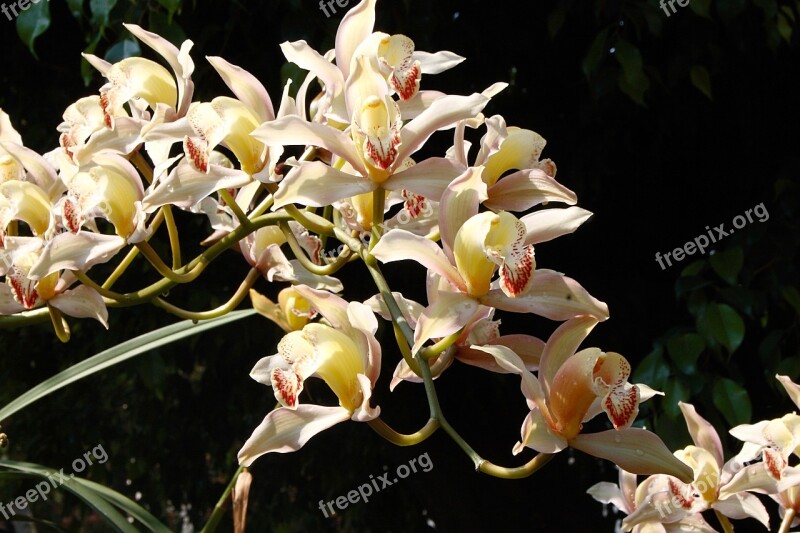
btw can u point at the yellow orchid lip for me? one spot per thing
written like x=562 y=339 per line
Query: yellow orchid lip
x=323 y=351
x=136 y=77
x=520 y=150
x=376 y=133
x=24 y=201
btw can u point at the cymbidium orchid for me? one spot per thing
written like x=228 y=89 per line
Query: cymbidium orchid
x=573 y=388
x=343 y=352
x=110 y=188
x=292 y=312
x=22 y=293
x=475 y=246
x=715 y=486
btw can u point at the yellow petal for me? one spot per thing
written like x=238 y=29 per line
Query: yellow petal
x=21 y=200
x=470 y=253
x=136 y=77
x=520 y=150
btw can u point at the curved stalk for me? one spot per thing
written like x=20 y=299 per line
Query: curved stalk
x=237 y=298
x=154 y=259
x=174 y=238
x=60 y=325
x=399 y=439
x=788 y=518
x=727 y=527
x=300 y=255
x=519 y=472
x=378 y=207
x=220 y=507
x=237 y=210
x=310 y=221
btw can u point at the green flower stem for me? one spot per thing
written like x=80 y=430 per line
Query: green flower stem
x=378 y=207
x=261 y=208
x=237 y=210
x=434 y=350
x=405 y=350
x=327 y=214
x=308 y=264
x=220 y=508
x=727 y=527
x=237 y=298
x=519 y=472
x=133 y=252
x=59 y=324
x=174 y=238
x=161 y=267
x=310 y=221
x=399 y=439
x=788 y=518
x=142 y=165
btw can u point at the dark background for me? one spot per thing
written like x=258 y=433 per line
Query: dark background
x=645 y=148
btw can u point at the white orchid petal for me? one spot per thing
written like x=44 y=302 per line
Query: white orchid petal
x=442 y=113
x=286 y=430
x=561 y=345
x=743 y=505
x=68 y=251
x=428 y=178
x=703 y=433
x=551 y=295
x=435 y=63
x=355 y=27
x=451 y=312
x=317 y=184
x=547 y=224
x=400 y=245
x=245 y=86
x=525 y=189
x=82 y=302
x=460 y=202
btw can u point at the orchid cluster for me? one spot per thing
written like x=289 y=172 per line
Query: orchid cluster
x=665 y=503
x=337 y=174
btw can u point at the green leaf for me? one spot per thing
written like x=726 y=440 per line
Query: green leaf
x=701 y=7
x=170 y=5
x=675 y=390
x=632 y=80
x=123 y=49
x=791 y=295
x=728 y=263
x=71 y=484
x=117 y=354
x=693 y=268
x=125 y=504
x=594 y=56
x=684 y=351
x=723 y=324
x=32 y=23
x=653 y=370
x=732 y=401
x=76 y=8
x=701 y=80
x=101 y=9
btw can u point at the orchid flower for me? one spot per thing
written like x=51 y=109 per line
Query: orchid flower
x=22 y=293
x=715 y=485
x=110 y=188
x=627 y=498
x=573 y=388
x=342 y=352
x=291 y=313
x=482 y=330
x=475 y=246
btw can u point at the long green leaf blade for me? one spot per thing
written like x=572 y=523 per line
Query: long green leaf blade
x=117 y=354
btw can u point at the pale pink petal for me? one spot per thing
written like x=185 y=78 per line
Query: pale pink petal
x=333 y=308
x=609 y=493
x=551 y=295
x=365 y=412
x=703 y=433
x=442 y=113
x=355 y=27
x=743 y=505
x=7 y=131
x=513 y=363
x=421 y=101
x=410 y=309
x=400 y=245
x=287 y=430
x=460 y=202
x=451 y=312
x=70 y=251
x=361 y=317
x=42 y=172
x=547 y=224
x=527 y=347
x=792 y=389
x=293 y=130
x=428 y=178
x=82 y=302
x=185 y=185
x=561 y=345
x=756 y=477
x=101 y=65
x=317 y=184
x=305 y=57
x=537 y=435
x=8 y=304
x=635 y=450
x=527 y=188
x=437 y=62
x=245 y=86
